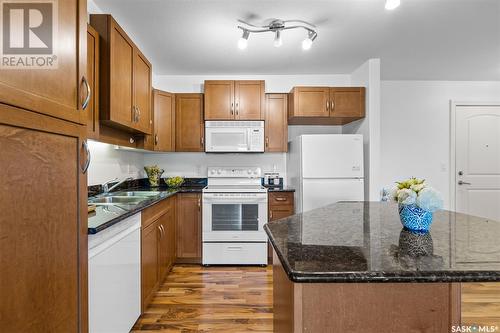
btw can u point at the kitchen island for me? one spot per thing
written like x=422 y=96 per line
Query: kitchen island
x=351 y=267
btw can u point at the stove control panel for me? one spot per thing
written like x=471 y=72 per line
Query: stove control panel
x=234 y=172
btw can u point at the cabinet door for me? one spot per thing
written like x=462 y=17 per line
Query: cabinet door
x=121 y=67
x=93 y=81
x=149 y=262
x=164 y=121
x=249 y=100
x=163 y=246
x=219 y=100
x=142 y=93
x=311 y=101
x=56 y=91
x=276 y=123
x=189 y=227
x=189 y=125
x=43 y=225
x=347 y=102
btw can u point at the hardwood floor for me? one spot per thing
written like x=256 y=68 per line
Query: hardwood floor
x=239 y=299
x=481 y=304
x=211 y=299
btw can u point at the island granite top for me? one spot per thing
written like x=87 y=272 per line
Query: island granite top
x=365 y=242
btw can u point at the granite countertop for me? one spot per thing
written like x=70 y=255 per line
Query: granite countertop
x=365 y=242
x=106 y=216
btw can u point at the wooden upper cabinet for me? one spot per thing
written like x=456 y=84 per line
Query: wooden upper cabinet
x=219 y=100
x=163 y=137
x=230 y=100
x=189 y=228
x=249 y=101
x=347 y=102
x=189 y=125
x=125 y=78
x=325 y=105
x=58 y=91
x=276 y=125
x=93 y=80
x=142 y=92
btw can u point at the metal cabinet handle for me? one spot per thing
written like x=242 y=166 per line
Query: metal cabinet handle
x=332 y=105
x=463 y=183
x=232 y=109
x=199 y=203
x=280 y=199
x=327 y=105
x=267 y=141
x=156 y=139
x=86 y=100
x=271 y=215
x=237 y=109
x=162 y=229
x=202 y=141
x=134 y=114
x=89 y=157
x=138 y=114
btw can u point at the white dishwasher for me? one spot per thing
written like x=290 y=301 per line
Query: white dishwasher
x=115 y=277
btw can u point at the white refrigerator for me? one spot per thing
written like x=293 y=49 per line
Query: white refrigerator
x=325 y=168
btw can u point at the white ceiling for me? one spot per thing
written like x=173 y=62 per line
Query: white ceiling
x=420 y=40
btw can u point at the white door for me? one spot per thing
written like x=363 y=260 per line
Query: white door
x=321 y=192
x=332 y=156
x=477 y=152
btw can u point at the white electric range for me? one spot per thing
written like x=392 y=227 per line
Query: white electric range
x=234 y=213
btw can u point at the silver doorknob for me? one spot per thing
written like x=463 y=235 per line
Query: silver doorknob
x=463 y=183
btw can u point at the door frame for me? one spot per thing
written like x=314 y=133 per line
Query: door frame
x=453 y=131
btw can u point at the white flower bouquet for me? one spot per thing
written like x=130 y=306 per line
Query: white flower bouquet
x=415 y=191
x=417 y=203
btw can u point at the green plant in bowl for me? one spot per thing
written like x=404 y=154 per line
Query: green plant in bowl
x=174 y=181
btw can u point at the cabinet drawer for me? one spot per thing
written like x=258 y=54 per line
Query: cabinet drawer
x=235 y=253
x=280 y=199
x=152 y=213
x=276 y=214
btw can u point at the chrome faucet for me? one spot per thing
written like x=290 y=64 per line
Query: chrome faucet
x=107 y=189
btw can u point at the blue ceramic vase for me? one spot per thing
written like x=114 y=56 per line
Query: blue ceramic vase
x=415 y=218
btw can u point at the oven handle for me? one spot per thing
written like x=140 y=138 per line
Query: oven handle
x=233 y=200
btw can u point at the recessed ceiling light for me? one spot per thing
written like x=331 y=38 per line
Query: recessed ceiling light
x=392 y=4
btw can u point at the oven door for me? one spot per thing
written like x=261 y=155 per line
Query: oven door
x=234 y=217
x=227 y=139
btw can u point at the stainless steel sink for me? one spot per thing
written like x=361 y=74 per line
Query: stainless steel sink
x=140 y=194
x=117 y=200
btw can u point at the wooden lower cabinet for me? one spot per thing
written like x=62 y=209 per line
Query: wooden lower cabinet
x=281 y=205
x=189 y=226
x=43 y=225
x=157 y=246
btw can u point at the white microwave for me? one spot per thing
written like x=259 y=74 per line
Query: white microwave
x=234 y=136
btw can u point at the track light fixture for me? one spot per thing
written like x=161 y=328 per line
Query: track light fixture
x=277 y=26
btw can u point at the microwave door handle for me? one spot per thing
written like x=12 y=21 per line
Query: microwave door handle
x=249 y=136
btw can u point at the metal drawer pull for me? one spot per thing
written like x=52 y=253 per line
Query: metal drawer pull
x=463 y=183
x=327 y=105
x=86 y=101
x=234 y=248
x=232 y=108
x=156 y=139
x=89 y=157
x=280 y=199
